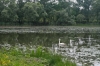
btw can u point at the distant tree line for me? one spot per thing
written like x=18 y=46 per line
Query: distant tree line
x=49 y=12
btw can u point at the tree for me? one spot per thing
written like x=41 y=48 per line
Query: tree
x=49 y=12
x=13 y=11
x=80 y=18
x=86 y=7
x=9 y=12
x=47 y=8
x=96 y=9
x=20 y=5
x=32 y=12
x=53 y=17
x=64 y=18
x=5 y=15
x=3 y=5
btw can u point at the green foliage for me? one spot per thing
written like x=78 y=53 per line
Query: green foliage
x=39 y=52
x=30 y=11
x=68 y=63
x=15 y=52
x=46 y=12
x=80 y=18
x=55 y=59
x=39 y=58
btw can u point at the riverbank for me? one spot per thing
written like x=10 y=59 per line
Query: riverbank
x=25 y=56
x=50 y=29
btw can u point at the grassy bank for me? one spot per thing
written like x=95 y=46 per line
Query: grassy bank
x=39 y=57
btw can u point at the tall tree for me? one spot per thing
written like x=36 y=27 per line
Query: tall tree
x=9 y=14
x=13 y=10
x=3 y=4
x=20 y=5
x=47 y=8
x=80 y=18
x=86 y=7
x=96 y=9
x=32 y=12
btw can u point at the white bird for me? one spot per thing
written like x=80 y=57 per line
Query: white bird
x=90 y=40
x=96 y=63
x=71 y=42
x=61 y=44
x=81 y=42
x=6 y=46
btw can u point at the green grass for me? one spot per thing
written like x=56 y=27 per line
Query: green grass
x=40 y=57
